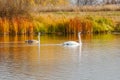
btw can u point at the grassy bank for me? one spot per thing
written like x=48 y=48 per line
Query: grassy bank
x=88 y=8
x=60 y=23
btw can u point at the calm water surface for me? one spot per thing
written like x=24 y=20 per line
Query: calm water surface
x=97 y=59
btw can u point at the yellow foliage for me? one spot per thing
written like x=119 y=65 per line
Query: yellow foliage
x=53 y=24
x=16 y=25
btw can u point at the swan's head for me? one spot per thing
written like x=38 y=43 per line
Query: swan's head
x=39 y=34
x=79 y=33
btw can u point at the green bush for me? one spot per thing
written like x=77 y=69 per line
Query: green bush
x=117 y=27
x=39 y=27
x=101 y=25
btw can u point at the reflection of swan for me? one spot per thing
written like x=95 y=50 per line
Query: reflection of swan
x=79 y=53
x=73 y=43
x=33 y=41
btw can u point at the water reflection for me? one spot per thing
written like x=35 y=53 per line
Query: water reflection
x=99 y=55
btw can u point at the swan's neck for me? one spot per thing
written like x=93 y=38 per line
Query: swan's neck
x=39 y=38
x=79 y=38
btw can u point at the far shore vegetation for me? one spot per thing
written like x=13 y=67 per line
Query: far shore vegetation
x=23 y=17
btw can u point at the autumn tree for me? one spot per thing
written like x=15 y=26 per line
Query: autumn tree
x=11 y=7
x=111 y=1
x=86 y=2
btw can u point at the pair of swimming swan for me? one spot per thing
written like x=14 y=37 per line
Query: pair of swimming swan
x=68 y=43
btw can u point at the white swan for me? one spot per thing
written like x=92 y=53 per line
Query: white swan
x=34 y=41
x=73 y=43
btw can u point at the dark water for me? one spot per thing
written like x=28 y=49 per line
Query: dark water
x=97 y=59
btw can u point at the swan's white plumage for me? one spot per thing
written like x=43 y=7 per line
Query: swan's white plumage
x=70 y=43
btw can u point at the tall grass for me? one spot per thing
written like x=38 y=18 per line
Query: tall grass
x=63 y=25
x=52 y=24
x=55 y=24
x=15 y=25
x=83 y=25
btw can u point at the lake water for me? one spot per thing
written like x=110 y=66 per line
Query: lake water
x=97 y=59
